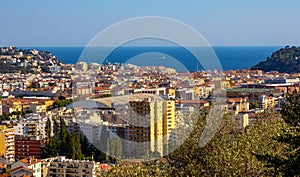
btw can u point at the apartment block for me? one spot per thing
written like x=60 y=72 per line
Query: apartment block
x=150 y=123
x=27 y=146
x=61 y=167
x=169 y=122
x=27 y=167
x=7 y=145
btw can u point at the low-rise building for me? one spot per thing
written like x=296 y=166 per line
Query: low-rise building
x=61 y=167
x=38 y=108
x=28 y=166
x=237 y=104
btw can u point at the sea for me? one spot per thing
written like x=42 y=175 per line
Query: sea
x=179 y=58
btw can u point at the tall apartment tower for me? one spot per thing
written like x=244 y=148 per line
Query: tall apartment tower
x=151 y=121
x=169 y=121
x=7 y=143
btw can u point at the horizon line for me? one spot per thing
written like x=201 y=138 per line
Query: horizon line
x=20 y=46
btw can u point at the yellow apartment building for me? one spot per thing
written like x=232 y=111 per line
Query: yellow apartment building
x=152 y=121
x=7 y=143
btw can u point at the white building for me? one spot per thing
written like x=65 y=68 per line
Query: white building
x=61 y=167
x=28 y=166
x=82 y=66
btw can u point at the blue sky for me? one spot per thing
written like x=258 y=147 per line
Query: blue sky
x=221 y=22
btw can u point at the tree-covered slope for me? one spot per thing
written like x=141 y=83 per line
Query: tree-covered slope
x=285 y=60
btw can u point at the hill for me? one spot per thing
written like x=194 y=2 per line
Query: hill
x=14 y=60
x=284 y=60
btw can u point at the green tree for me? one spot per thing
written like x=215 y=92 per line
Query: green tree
x=75 y=147
x=100 y=147
x=89 y=151
x=48 y=128
x=104 y=136
x=63 y=143
x=55 y=127
x=62 y=103
x=115 y=148
x=291 y=109
x=287 y=163
x=51 y=149
x=85 y=144
x=229 y=153
x=65 y=138
x=97 y=155
x=253 y=105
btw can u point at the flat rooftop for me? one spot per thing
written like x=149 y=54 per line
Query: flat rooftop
x=126 y=98
x=249 y=90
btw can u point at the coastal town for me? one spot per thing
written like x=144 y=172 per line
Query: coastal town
x=139 y=107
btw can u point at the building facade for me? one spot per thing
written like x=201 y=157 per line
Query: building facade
x=150 y=124
x=27 y=146
x=61 y=167
x=7 y=146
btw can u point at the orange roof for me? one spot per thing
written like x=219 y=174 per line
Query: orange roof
x=99 y=88
x=232 y=100
x=16 y=169
x=105 y=167
x=2 y=165
x=30 y=161
x=204 y=84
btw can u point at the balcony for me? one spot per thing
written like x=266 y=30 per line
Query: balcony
x=10 y=140
x=9 y=134
x=11 y=144
x=71 y=171
x=10 y=153
x=11 y=149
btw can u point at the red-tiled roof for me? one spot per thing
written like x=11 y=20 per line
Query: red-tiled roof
x=233 y=100
x=30 y=161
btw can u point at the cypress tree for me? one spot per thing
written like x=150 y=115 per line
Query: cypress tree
x=115 y=147
x=75 y=147
x=64 y=137
x=85 y=145
x=48 y=128
x=55 y=127
x=103 y=144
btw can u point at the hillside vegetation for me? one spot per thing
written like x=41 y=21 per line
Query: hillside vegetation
x=285 y=60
